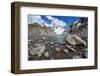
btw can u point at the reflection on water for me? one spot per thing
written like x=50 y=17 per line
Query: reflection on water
x=48 y=38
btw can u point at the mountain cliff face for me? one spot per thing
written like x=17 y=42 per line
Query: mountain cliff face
x=37 y=29
x=80 y=28
x=77 y=37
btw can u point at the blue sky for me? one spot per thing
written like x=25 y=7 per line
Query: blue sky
x=58 y=23
x=53 y=20
x=67 y=19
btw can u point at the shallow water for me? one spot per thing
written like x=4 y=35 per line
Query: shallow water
x=48 y=38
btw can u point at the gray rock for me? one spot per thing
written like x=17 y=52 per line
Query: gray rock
x=57 y=49
x=76 y=57
x=66 y=50
x=46 y=54
x=74 y=40
x=38 y=50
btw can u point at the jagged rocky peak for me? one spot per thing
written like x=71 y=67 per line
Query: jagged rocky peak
x=81 y=23
x=78 y=33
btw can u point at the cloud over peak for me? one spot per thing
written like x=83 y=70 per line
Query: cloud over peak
x=35 y=19
x=55 y=23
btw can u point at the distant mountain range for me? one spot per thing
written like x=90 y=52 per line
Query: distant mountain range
x=37 y=29
x=38 y=32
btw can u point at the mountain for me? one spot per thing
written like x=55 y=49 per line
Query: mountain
x=80 y=28
x=37 y=29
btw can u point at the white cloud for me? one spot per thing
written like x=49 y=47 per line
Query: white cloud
x=46 y=24
x=50 y=17
x=57 y=24
x=35 y=19
x=59 y=31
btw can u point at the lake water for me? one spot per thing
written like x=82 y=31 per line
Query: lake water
x=48 y=38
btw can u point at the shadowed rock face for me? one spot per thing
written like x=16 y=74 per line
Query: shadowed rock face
x=77 y=37
x=80 y=28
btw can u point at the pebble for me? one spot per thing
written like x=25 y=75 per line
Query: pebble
x=66 y=50
x=46 y=54
x=76 y=57
x=57 y=49
x=52 y=42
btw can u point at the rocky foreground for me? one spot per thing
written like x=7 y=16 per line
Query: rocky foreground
x=74 y=45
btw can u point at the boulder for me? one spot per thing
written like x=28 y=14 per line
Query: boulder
x=73 y=39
